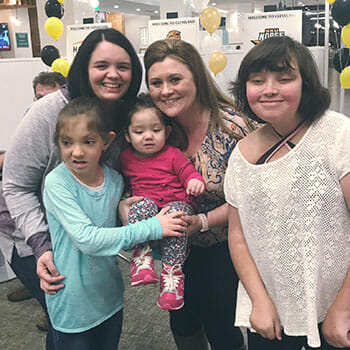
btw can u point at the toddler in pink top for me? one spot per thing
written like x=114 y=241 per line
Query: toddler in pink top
x=165 y=178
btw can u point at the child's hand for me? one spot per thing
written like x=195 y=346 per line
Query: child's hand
x=264 y=319
x=195 y=187
x=172 y=223
x=336 y=326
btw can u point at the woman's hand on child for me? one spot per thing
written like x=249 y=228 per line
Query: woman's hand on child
x=265 y=320
x=195 y=187
x=194 y=224
x=124 y=207
x=172 y=223
x=48 y=274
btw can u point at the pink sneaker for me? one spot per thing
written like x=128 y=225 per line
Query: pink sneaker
x=142 y=267
x=171 y=295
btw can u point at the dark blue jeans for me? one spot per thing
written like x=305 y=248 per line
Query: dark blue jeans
x=104 y=336
x=258 y=342
x=25 y=270
x=210 y=298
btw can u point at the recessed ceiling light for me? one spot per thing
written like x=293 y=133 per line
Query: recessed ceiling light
x=138 y=9
x=214 y=3
x=155 y=11
x=116 y=6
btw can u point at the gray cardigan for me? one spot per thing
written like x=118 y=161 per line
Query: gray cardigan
x=31 y=156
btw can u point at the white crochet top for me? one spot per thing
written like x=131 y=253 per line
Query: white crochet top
x=296 y=224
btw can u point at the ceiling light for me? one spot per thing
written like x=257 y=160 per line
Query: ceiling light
x=155 y=11
x=138 y=9
x=116 y=6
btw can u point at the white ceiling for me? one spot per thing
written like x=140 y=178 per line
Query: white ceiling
x=147 y=7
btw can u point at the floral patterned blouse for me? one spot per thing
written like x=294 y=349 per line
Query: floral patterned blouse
x=211 y=162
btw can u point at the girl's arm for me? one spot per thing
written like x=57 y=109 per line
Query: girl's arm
x=263 y=318
x=336 y=326
x=64 y=213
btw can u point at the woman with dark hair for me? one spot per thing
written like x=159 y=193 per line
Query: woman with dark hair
x=182 y=88
x=288 y=189
x=106 y=67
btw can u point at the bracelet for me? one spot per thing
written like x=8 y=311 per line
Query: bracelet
x=204 y=220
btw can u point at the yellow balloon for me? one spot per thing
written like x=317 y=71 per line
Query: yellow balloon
x=331 y=1
x=345 y=78
x=210 y=19
x=60 y=65
x=345 y=35
x=54 y=27
x=62 y=1
x=217 y=62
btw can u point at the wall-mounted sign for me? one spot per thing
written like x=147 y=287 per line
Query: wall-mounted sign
x=76 y=33
x=259 y=26
x=186 y=28
x=22 y=40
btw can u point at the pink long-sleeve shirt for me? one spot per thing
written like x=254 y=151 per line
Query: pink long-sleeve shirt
x=162 y=177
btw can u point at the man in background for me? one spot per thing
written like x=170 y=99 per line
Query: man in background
x=43 y=84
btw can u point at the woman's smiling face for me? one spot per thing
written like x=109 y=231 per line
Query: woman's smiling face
x=172 y=87
x=110 y=71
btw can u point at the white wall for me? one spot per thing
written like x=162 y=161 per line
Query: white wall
x=132 y=28
x=16 y=93
x=24 y=27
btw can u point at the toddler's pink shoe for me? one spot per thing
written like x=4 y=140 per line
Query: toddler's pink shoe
x=142 y=269
x=172 y=281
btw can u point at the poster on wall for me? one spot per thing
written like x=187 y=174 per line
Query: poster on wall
x=76 y=33
x=186 y=28
x=259 y=26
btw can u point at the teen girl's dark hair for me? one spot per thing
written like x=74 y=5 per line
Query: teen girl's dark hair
x=278 y=54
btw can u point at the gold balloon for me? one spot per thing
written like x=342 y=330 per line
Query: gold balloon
x=210 y=19
x=345 y=35
x=217 y=62
x=54 y=27
x=60 y=65
x=345 y=78
x=62 y=1
x=331 y=1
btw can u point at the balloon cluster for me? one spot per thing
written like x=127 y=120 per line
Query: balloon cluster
x=341 y=61
x=54 y=27
x=210 y=20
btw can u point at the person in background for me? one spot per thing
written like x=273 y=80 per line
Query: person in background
x=46 y=82
x=288 y=187
x=43 y=84
x=182 y=88
x=106 y=67
x=164 y=177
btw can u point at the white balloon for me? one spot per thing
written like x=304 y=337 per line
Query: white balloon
x=211 y=43
x=199 y=5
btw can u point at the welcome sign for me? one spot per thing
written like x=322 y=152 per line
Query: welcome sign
x=259 y=26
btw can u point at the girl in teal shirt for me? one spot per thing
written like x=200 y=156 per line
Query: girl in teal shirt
x=81 y=198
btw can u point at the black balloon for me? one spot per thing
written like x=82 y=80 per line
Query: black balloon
x=48 y=54
x=341 y=12
x=341 y=59
x=53 y=9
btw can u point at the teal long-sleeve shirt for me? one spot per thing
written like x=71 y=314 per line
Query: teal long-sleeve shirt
x=85 y=242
